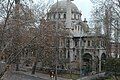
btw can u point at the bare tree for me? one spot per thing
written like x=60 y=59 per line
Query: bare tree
x=13 y=26
x=46 y=42
x=106 y=14
x=22 y=35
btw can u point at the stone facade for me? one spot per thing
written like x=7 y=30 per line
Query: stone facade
x=79 y=47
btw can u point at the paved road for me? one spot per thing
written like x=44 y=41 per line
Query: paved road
x=93 y=76
x=45 y=76
x=20 y=76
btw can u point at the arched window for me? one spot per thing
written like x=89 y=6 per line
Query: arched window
x=59 y=16
x=89 y=43
x=78 y=28
x=75 y=27
x=74 y=16
x=54 y=16
x=78 y=16
x=64 y=16
x=48 y=16
x=68 y=54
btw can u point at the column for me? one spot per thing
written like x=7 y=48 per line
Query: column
x=80 y=51
x=71 y=50
x=99 y=62
x=93 y=62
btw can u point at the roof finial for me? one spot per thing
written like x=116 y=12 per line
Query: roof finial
x=85 y=20
x=17 y=1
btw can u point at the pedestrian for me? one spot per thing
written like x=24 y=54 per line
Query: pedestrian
x=51 y=74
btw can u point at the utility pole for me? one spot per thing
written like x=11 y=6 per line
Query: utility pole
x=17 y=33
x=56 y=43
x=80 y=51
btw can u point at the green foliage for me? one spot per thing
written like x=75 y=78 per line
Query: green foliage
x=70 y=76
x=113 y=66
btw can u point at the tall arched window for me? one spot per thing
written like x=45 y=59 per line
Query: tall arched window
x=78 y=16
x=54 y=16
x=75 y=27
x=74 y=16
x=64 y=16
x=89 y=43
x=48 y=16
x=78 y=28
x=59 y=16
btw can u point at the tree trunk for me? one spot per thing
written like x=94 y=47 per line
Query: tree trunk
x=17 y=63
x=17 y=66
x=34 y=67
x=116 y=75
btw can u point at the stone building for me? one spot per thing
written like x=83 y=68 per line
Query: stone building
x=81 y=48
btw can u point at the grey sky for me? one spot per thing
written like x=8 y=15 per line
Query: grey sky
x=84 y=6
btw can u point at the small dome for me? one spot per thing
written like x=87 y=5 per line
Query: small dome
x=62 y=7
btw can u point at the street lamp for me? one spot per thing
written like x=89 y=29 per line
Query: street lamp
x=56 y=44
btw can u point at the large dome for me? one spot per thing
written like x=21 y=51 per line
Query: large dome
x=62 y=7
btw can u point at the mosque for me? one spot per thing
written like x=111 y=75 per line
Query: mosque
x=83 y=49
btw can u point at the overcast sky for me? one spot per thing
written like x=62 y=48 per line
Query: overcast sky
x=84 y=6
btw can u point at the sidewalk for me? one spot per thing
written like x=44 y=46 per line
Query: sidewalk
x=85 y=78
x=92 y=76
x=43 y=76
x=26 y=72
x=47 y=77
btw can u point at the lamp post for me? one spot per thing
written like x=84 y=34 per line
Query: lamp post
x=68 y=27
x=56 y=43
x=80 y=60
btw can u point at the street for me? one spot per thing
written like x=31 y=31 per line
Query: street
x=17 y=75
x=93 y=77
x=20 y=76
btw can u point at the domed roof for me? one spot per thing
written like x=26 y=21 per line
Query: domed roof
x=62 y=7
